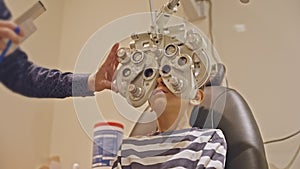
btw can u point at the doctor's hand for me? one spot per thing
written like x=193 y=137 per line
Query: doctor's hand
x=7 y=31
x=102 y=79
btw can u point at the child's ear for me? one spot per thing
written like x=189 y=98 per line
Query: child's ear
x=198 y=98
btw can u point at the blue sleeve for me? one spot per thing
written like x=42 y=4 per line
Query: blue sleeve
x=5 y=14
x=23 y=77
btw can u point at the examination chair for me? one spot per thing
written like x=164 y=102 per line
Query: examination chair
x=225 y=108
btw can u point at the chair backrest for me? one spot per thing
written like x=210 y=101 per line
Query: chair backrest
x=226 y=109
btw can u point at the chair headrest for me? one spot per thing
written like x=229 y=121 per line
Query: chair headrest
x=217 y=75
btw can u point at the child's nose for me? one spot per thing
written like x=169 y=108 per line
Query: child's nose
x=159 y=81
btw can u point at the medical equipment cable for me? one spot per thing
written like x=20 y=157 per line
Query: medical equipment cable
x=282 y=139
x=293 y=159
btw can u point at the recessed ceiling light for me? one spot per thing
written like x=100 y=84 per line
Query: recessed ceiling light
x=240 y=27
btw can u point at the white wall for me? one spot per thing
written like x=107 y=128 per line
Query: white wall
x=262 y=64
x=25 y=123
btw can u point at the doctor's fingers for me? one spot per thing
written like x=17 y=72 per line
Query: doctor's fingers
x=7 y=33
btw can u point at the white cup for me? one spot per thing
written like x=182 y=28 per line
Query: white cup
x=108 y=138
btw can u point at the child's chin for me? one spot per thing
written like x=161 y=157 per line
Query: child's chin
x=158 y=103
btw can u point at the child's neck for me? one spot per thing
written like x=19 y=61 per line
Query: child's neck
x=169 y=121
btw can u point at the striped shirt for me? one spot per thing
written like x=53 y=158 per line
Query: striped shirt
x=192 y=148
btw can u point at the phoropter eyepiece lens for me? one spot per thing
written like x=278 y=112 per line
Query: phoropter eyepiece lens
x=137 y=57
x=148 y=72
x=166 y=69
x=171 y=50
x=182 y=61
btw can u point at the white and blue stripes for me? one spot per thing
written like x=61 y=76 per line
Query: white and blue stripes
x=182 y=149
